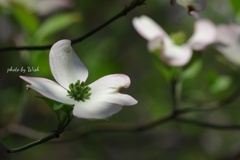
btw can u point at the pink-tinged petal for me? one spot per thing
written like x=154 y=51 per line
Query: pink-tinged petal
x=155 y=44
x=231 y=53
x=109 y=84
x=205 y=33
x=48 y=88
x=228 y=36
x=65 y=65
x=95 y=109
x=148 y=28
x=176 y=55
x=194 y=14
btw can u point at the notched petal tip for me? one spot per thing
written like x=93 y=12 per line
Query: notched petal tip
x=126 y=81
x=194 y=14
x=65 y=64
x=28 y=86
x=62 y=45
x=191 y=5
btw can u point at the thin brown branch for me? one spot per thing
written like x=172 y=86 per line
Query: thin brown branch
x=209 y=125
x=103 y=128
x=215 y=105
x=124 y=12
x=21 y=130
x=55 y=134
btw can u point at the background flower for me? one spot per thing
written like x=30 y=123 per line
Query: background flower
x=193 y=6
x=229 y=39
x=172 y=53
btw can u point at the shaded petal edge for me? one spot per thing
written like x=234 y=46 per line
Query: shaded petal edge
x=95 y=109
x=48 y=88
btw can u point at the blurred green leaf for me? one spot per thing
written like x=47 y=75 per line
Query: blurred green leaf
x=55 y=24
x=62 y=111
x=211 y=77
x=27 y=19
x=235 y=5
x=192 y=70
x=221 y=83
x=57 y=106
x=165 y=70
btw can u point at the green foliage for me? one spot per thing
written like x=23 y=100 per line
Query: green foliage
x=192 y=70
x=57 y=106
x=235 y=5
x=27 y=19
x=62 y=111
x=221 y=83
x=55 y=24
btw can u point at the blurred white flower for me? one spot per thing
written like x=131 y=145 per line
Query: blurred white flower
x=41 y=7
x=229 y=38
x=170 y=52
x=45 y=7
x=97 y=100
x=193 y=6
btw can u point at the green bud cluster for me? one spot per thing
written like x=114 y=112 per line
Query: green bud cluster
x=79 y=91
x=178 y=37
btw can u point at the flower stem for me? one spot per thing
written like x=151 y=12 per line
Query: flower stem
x=175 y=89
x=55 y=134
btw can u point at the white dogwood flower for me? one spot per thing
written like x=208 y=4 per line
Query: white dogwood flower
x=229 y=39
x=171 y=52
x=97 y=100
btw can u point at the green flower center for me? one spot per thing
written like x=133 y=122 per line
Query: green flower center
x=178 y=37
x=79 y=91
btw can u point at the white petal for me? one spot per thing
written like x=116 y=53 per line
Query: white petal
x=118 y=98
x=176 y=55
x=148 y=28
x=205 y=33
x=95 y=109
x=228 y=34
x=231 y=53
x=155 y=44
x=48 y=88
x=194 y=14
x=109 y=84
x=107 y=89
x=65 y=65
x=229 y=38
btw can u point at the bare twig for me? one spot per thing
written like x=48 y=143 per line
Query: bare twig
x=86 y=130
x=21 y=130
x=209 y=125
x=125 y=11
x=55 y=134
